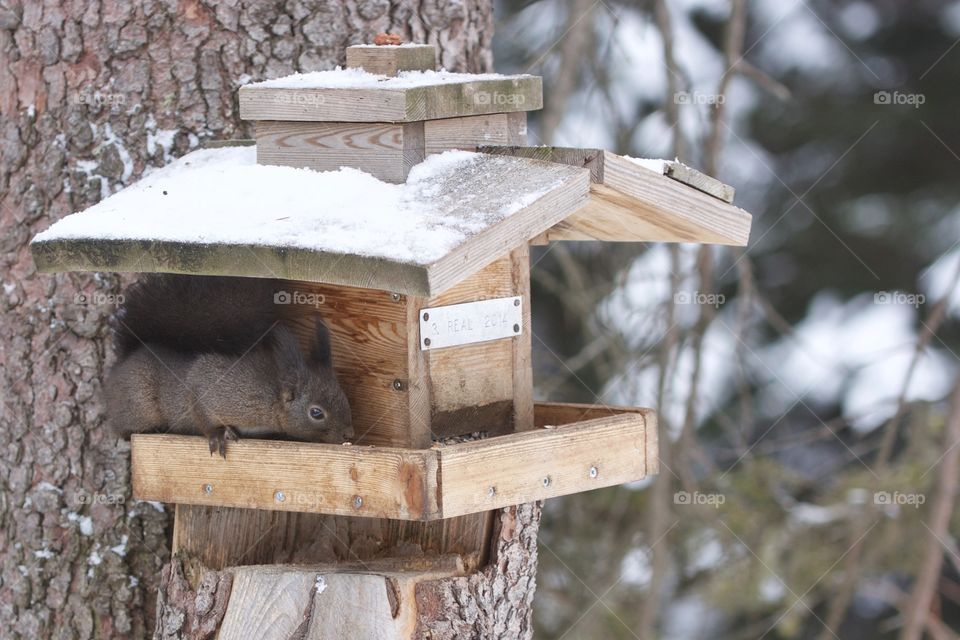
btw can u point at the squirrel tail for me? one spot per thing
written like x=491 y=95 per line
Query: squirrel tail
x=195 y=314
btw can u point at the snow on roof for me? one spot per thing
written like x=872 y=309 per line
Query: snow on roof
x=223 y=196
x=359 y=79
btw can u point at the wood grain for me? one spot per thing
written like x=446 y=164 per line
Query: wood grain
x=535 y=465
x=390 y=60
x=385 y=151
x=316 y=603
x=290 y=537
x=633 y=204
x=407 y=104
x=368 y=335
x=473 y=375
x=287 y=476
x=400 y=484
x=470 y=132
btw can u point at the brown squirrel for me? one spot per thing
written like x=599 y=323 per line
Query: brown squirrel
x=209 y=355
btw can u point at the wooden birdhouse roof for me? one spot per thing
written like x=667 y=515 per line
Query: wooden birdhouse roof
x=346 y=185
x=218 y=212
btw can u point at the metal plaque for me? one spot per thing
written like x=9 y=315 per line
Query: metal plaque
x=459 y=324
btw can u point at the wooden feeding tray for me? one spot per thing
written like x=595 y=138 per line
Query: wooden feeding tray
x=574 y=448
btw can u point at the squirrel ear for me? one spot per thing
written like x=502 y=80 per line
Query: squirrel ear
x=320 y=349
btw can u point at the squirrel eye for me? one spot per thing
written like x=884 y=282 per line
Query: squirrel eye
x=317 y=413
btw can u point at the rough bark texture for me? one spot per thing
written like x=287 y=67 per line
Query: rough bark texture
x=93 y=93
x=495 y=602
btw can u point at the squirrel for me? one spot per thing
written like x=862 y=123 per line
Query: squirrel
x=209 y=355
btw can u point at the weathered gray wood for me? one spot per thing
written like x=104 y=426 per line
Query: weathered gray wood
x=220 y=144
x=402 y=104
x=384 y=150
x=593 y=159
x=691 y=177
x=483 y=189
x=470 y=132
x=400 y=484
x=388 y=60
x=631 y=203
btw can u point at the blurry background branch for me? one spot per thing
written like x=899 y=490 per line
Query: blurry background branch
x=802 y=382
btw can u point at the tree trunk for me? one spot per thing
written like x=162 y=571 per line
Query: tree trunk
x=93 y=93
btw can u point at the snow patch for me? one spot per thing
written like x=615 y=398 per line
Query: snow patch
x=224 y=196
x=359 y=79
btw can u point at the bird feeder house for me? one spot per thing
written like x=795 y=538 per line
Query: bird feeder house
x=399 y=203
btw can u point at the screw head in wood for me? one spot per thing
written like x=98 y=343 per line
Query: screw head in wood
x=357 y=502
x=492 y=491
x=546 y=481
x=279 y=496
x=395 y=297
x=426 y=341
x=208 y=488
x=426 y=316
x=594 y=472
x=398 y=384
x=516 y=328
x=516 y=302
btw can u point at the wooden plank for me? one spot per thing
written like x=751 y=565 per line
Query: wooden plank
x=385 y=151
x=535 y=465
x=591 y=159
x=701 y=181
x=472 y=386
x=220 y=144
x=368 y=335
x=289 y=537
x=417 y=383
x=388 y=60
x=472 y=131
x=716 y=221
x=569 y=194
x=315 y=603
x=399 y=484
x=287 y=476
x=392 y=102
x=480 y=192
x=523 y=406
x=635 y=204
x=560 y=413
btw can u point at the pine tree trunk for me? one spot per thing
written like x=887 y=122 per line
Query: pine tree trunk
x=92 y=94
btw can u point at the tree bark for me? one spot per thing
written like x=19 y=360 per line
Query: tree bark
x=93 y=94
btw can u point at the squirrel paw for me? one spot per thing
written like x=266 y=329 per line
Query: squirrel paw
x=218 y=441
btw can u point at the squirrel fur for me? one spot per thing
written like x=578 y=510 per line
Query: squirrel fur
x=209 y=355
